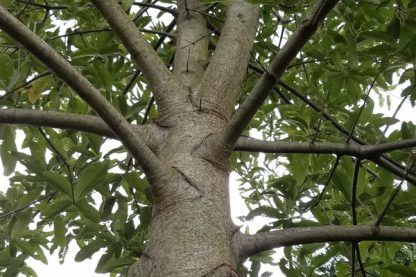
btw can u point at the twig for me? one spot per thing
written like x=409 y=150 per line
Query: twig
x=148 y=108
x=43 y=6
x=360 y=261
x=84 y=32
x=318 y=127
x=361 y=110
x=51 y=194
x=143 y=10
x=307 y=62
x=158 y=7
x=393 y=196
x=354 y=191
x=397 y=110
x=60 y=156
x=41 y=75
x=353 y=247
x=334 y=167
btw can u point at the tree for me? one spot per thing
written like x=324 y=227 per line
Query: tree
x=186 y=100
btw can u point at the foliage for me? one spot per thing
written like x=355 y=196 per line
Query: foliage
x=75 y=186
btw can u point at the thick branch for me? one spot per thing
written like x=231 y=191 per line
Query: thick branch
x=357 y=150
x=282 y=60
x=370 y=152
x=393 y=168
x=161 y=80
x=249 y=245
x=192 y=43
x=85 y=123
x=225 y=73
x=63 y=69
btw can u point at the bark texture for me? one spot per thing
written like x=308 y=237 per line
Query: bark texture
x=191 y=228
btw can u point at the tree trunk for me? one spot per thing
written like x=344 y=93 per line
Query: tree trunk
x=191 y=226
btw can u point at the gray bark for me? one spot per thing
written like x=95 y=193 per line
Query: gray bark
x=249 y=245
x=191 y=228
x=191 y=43
x=164 y=85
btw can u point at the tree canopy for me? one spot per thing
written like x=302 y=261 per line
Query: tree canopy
x=335 y=178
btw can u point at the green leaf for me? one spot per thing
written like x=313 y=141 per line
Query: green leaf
x=58 y=182
x=145 y=217
x=6 y=3
x=36 y=89
x=264 y=210
x=59 y=231
x=88 y=250
x=90 y=178
x=56 y=208
x=299 y=168
x=7 y=67
x=408 y=130
x=134 y=180
x=7 y=147
x=393 y=28
x=5 y=258
x=103 y=75
x=96 y=142
x=120 y=216
x=353 y=89
x=31 y=249
x=126 y=3
x=113 y=263
x=28 y=271
x=20 y=223
x=402 y=270
x=107 y=207
x=88 y=211
x=14 y=268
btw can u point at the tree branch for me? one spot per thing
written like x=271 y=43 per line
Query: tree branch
x=249 y=245
x=390 y=166
x=192 y=43
x=158 y=7
x=357 y=150
x=156 y=46
x=152 y=166
x=43 y=6
x=85 y=123
x=370 y=152
x=163 y=83
x=280 y=63
x=38 y=118
x=229 y=63
x=107 y=29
